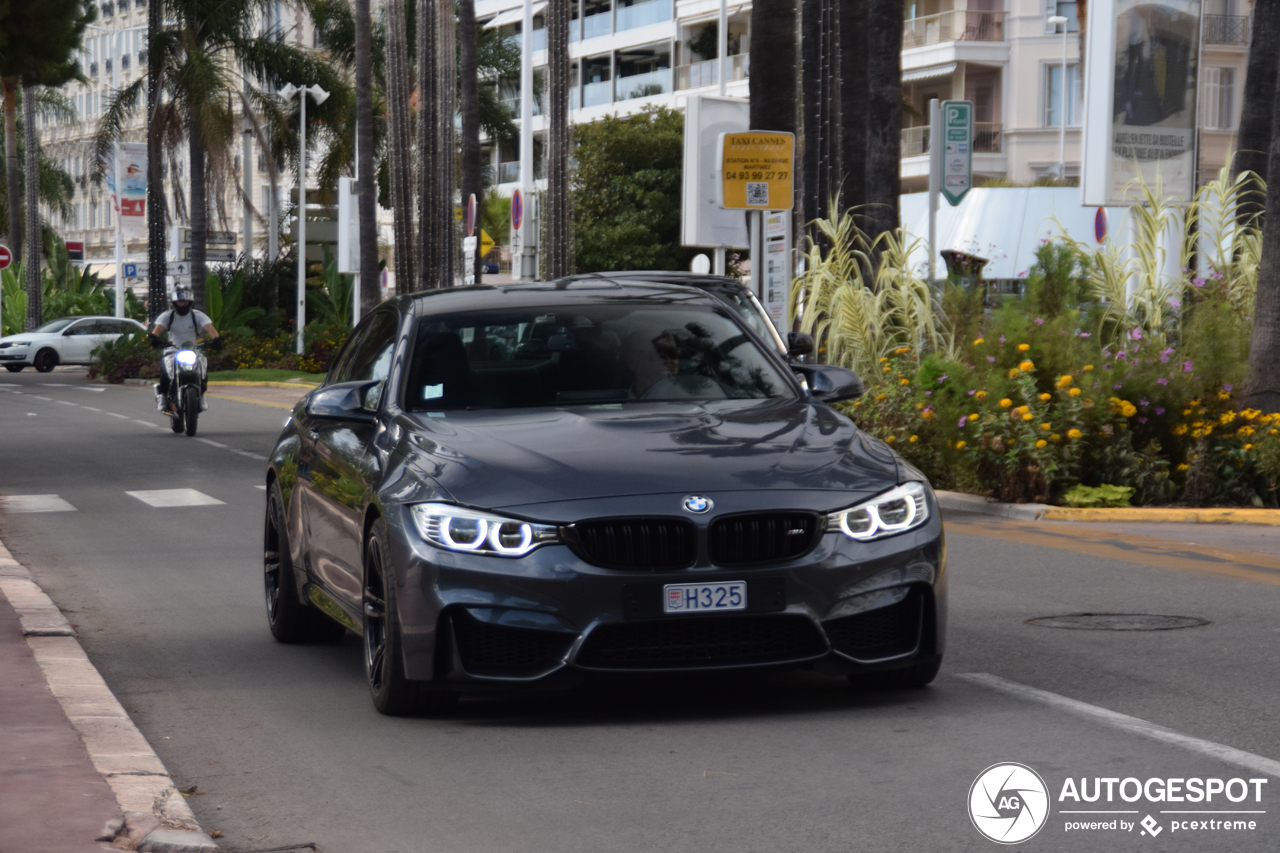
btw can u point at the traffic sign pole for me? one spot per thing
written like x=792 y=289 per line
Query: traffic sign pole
x=935 y=133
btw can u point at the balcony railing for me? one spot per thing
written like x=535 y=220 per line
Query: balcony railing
x=1226 y=29
x=986 y=139
x=642 y=85
x=597 y=25
x=958 y=25
x=643 y=14
x=595 y=94
x=707 y=72
x=509 y=173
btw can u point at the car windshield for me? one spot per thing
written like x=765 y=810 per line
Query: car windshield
x=586 y=354
x=56 y=325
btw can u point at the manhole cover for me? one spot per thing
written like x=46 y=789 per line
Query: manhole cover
x=1118 y=622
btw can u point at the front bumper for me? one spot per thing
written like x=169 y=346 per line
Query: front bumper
x=19 y=357
x=551 y=618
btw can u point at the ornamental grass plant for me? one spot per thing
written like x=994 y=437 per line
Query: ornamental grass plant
x=1078 y=383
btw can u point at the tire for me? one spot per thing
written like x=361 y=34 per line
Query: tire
x=190 y=408
x=392 y=693
x=175 y=422
x=14 y=368
x=45 y=361
x=913 y=677
x=290 y=620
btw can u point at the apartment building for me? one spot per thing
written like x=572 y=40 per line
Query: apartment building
x=114 y=56
x=1021 y=72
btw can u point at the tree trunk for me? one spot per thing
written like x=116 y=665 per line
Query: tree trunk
x=558 y=251
x=469 y=109
x=425 y=262
x=773 y=65
x=199 y=217
x=1263 y=387
x=884 y=114
x=366 y=207
x=155 y=174
x=446 y=73
x=35 y=289
x=1254 y=140
x=854 y=103
x=12 y=183
x=811 y=43
x=400 y=154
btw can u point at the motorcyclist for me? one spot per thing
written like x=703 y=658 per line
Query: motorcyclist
x=183 y=323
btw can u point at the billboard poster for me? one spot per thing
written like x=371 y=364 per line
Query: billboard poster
x=131 y=202
x=1140 y=113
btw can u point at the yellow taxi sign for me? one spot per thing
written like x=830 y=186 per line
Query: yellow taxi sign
x=757 y=168
x=486 y=243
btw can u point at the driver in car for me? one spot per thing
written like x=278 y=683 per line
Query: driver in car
x=184 y=324
x=654 y=361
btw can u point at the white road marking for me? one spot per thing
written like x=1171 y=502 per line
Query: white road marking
x=34 y=503
x=68 y=403
x=212 y=443
x=1229 y=754
x=9 y=385
x=55 y=385
x=46 y=399
x=94 y=409
x=264 y=488
x=118 y=415
x=146 y=423
x=90 y=388
x=174 y=497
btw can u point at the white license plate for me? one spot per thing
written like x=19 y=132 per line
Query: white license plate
x=704 y=597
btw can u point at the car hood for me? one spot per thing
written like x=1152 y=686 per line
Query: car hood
x=31 y=337
x=530 y=456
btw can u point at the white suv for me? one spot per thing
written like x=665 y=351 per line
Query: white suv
x=69 y=340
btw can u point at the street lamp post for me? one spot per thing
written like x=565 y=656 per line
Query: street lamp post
x=115 y=87
x=1061 y=21
x=320 y=96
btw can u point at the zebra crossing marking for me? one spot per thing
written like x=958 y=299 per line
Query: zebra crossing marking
x=34 y=503
x=164 y=498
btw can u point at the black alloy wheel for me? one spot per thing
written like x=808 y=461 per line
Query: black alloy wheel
x=290 y=620
x=45 y=361
x=190 y=408
x=14 y=368
x=392 y=693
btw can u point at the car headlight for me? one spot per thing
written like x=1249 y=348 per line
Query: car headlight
x=15 y=344
x=457 y=529
x=897 y=510
x=186 y=358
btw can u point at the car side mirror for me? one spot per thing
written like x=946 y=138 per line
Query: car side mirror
x=828 y=383
x=344 y=401
x=799 y=343
x=66 y=333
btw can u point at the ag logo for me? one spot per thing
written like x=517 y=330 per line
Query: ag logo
x=1008 y=803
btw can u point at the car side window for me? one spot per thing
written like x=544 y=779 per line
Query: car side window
x=341 y=369
x=372 y=356
x=84 y=327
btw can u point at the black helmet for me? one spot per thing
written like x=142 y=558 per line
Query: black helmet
x=181 y=294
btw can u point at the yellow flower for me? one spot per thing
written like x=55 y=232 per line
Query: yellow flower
x=913 y=439
x=1027 y=365
x=1223 y=395
x=1074 y=392
x=904 y=381
x=1184 y=466
x=1180 y=429
x=959 y=445
x=981 y=395
x=1064 y=381
x=1042 y=443
x=1027 y=416
x=927 y=415
x=1087 y=368
x=1023 y=347
x=919 y=405
x=1044 y=398
x=1073 y=434
x=890 y=440
x=883 y=359
x=1227 y=417
x=1246 y=430
x=1045 y=427
x=1013 y=372
x=1248 y=447
x=973 y=417
x=1128 y=409
x=1273 y=432
x=886 y=369
x=879 y=397
x=902 y=350
x=1055 y=437
x=977 y=341
x=1006 y=403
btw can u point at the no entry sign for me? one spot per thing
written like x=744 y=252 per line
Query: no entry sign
x=6 y=257
x=517 y=210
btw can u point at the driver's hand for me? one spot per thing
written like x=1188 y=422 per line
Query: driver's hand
x=216 y=344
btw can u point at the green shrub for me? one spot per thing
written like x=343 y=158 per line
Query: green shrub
x=1104 y=495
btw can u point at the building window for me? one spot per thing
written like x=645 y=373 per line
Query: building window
x=1067 y=10
x=93 y=214
x=1220 y=98
x=1053 y=96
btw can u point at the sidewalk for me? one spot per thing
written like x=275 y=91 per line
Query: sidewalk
x=75 y=774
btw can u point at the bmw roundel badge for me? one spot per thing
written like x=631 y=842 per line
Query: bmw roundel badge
x=697 y=503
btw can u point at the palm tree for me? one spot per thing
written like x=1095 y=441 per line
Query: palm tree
x=884 y=113
x=559 y=250
x=200 y=53
x=54 y=185
x=1254 y=140
x=773 y=65
x=400 y=150
x=469 y=110
x=37 y=41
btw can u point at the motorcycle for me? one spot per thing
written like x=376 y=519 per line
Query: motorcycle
x=187 y=369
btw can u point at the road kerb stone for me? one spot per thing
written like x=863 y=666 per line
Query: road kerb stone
x=961 y=502
x=156 y=816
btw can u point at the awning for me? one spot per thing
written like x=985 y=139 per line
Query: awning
x=928 y=73
x=512 y=16
x=106 y=272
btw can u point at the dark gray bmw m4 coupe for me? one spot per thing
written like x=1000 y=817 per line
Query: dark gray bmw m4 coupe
x=534 y=484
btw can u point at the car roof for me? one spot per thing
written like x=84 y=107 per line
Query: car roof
x=680 y=277
x=573 y=290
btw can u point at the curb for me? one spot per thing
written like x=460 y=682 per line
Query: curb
x=961 y=502
x=156 y=817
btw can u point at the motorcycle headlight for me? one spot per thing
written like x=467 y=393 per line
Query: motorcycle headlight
x=457 y=529
x=899 y=509
x=186 y=358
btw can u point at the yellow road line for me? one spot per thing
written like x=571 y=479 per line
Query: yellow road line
x=1191 y=515
x=249 y=383
x=1130 y=548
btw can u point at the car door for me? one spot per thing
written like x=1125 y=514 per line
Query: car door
x=344 y=469
x=78 y=341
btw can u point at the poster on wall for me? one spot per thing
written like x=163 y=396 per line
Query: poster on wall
x=1140 y=101
x=131 y=202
